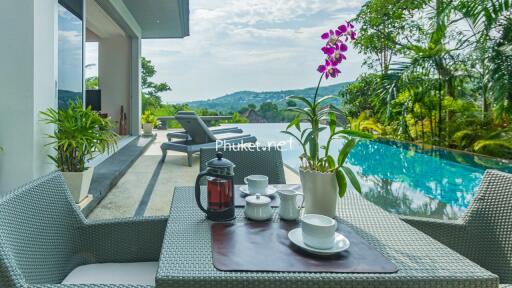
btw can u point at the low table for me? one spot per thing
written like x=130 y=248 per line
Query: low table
x=186 y=258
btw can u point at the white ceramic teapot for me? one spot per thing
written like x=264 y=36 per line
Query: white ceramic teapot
x=257 y=207
x=289 y=209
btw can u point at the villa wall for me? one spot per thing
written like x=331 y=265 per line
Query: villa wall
x=28 y=81
x=114 y=67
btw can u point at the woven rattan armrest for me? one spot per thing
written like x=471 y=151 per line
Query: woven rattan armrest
x=87 y=286
x=125 y=240
x=449 y=232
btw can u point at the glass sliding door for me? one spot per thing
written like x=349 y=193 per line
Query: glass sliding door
x=70 y=52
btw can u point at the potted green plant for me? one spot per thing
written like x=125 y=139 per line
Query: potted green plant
x=323 y=177
x=79 y=136
x=149 y=121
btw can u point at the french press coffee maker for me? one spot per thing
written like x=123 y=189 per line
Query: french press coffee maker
x=220 y=189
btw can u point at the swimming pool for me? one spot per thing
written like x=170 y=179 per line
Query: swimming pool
x=402 y=178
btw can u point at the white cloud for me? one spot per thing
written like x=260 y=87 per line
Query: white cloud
x=251 y=45
x=270 y=11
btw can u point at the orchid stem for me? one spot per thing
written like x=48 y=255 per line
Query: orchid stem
x=318 y=87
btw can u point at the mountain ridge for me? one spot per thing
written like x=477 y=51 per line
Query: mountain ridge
x=236 y=100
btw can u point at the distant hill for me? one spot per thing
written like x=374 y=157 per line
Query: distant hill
x=237 y=100
x=65 y=96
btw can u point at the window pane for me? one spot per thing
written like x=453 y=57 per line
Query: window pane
x=70 y=57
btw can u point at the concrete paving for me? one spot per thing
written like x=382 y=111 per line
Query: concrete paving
x=108 y=173
x=147 y=187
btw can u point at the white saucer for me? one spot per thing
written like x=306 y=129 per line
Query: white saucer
x=269 y=192
x=340 y=243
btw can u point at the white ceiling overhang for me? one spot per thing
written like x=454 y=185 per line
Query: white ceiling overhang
x=149 y=19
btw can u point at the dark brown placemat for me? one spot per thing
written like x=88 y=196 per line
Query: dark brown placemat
x=266 y=247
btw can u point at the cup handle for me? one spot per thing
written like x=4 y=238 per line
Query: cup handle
x=245 y=180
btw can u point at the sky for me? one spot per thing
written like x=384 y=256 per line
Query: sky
x=257 y=45
x=70 y=51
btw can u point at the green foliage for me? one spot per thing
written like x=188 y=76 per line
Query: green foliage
x=236 y=118
x=383 y=22
x=450 y=83
x=312 y=159
x=362 y=95
x=80 y=135
x=92 y=83
x=291 y=103
x=243 y=110
x=149 y=117
x=268 y=107
x=151 y=99
x=366 y=124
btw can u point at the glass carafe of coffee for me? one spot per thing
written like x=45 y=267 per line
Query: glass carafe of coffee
x=220 y=189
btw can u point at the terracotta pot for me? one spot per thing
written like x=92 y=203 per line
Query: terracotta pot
x=320 y=192
x=148 y=129
x=79 y=183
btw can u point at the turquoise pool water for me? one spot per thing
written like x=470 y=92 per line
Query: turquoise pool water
x=403 y=178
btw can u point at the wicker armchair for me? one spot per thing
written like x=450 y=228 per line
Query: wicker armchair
x=43 y=237
x=267 y=162
x=484 y=233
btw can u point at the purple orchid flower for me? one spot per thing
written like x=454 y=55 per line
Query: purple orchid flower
x=328 y=50
x=342 y=47
x=342 y=29
x=335 y=47
x=329 y=69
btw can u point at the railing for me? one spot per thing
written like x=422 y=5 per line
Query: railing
x=204 y=118
x=207 y=119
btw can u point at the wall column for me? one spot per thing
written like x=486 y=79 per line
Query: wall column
x=28 y=76
x=114 y=70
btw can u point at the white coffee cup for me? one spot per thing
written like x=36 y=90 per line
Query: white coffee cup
x=257 y=184
x=318 y=231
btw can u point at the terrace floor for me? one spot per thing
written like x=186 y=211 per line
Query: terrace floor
x=146 y=189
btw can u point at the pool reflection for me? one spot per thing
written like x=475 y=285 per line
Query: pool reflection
x=403 y=178
x=405 y=182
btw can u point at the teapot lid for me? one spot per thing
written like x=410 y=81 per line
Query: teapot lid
x=257 y=199
x=220 y=162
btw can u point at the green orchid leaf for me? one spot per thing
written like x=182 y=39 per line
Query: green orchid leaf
x=330 y=162
x=352 y=177
x=295 y=122
x=301 y=99
x=325 y=98
x=332 y=122
x=346 y=150
x=342 y=183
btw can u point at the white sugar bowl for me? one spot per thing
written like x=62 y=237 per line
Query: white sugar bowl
x=257 y=207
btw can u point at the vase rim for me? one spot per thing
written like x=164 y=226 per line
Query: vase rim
x=315 y=172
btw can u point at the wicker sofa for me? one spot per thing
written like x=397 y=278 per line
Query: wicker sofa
x=43 y=237
x=484 y=234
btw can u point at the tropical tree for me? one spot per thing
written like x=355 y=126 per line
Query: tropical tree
x=151 y=99
x=443 y=78
x=382 y=23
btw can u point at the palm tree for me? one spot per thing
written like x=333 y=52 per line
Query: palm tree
x=491 y=24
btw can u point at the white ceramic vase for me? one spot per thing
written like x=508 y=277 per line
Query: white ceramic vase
x=148 y=129
x=79 y=183
x=320 y=192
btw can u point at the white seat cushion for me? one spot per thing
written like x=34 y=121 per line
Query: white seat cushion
x=142 y=273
